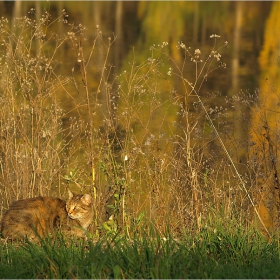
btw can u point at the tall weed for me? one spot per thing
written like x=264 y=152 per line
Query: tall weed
x=145 y=142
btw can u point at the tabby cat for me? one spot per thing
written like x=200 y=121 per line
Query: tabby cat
x=80 y=213
x=43 y=215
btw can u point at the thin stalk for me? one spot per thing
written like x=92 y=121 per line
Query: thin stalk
x=231 y=161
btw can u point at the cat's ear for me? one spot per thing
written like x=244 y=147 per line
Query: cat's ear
x=86 y=199
x=70 y=194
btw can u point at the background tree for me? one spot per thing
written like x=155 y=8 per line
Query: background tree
x=265 y=123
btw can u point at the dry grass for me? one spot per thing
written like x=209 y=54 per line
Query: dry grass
x=143 y=137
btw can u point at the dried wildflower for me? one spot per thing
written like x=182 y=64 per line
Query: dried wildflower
x=195 y=58
x=169 y=72
x=182 y=45
x=151 y=60
x=215 y=36
x=217 y=56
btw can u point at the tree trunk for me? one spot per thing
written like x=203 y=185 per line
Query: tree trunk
x=99 y=25
x=236 y=46
x=239 y=128
x=196 y=22
x=17 y=9
x=119 y=33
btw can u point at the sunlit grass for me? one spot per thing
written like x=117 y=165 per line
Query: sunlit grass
x=216 y=251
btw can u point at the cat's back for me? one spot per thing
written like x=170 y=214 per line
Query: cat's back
x=41 y=213
x=37 y=202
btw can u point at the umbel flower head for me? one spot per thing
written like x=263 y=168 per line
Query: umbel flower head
x=215 y=36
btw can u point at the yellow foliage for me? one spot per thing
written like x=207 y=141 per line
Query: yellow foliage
x=164 y=21
x=266 y=117
x=270 y=52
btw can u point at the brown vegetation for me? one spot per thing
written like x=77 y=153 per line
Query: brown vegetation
x=147 y=140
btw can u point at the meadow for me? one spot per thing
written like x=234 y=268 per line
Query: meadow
x=160 y=156
x=225 y=251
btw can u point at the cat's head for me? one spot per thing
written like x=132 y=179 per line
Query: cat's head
x=78 y=205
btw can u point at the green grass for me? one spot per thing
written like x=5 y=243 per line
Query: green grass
x=224 y=252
